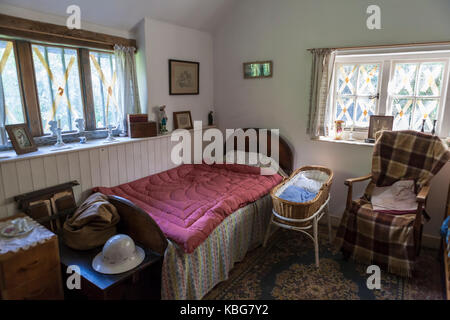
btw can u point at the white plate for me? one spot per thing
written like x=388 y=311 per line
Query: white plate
x=11 y=231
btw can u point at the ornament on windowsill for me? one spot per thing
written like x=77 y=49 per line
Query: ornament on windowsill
x=423 y=126
x=53 y=127
x=80 y=126
x=59 y=140
x=162 y=120
x=210 y=118
x=434 y=127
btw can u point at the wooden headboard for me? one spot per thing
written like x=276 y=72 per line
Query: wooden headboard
x=286 y=158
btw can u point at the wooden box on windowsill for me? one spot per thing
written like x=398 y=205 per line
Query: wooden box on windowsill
x=140 y=127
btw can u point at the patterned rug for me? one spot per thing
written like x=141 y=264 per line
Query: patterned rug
x=285 y=270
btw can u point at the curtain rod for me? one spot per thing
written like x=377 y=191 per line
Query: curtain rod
x=388 y=46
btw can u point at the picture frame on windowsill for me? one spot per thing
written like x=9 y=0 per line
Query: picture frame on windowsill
x=379 y=123
x=21 y=138
x=182 y=120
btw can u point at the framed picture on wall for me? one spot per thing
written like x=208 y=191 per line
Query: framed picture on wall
x=258 y=69
x=21 y=138
x=182 y=120
x=184 y=77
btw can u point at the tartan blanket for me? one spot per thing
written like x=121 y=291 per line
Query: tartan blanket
x=402 y=155
x=375 y=238
x=380 y=238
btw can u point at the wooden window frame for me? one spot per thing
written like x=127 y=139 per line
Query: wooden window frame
x=82 y=91
x=16 y=54
x=24 y=33
x=88 y=68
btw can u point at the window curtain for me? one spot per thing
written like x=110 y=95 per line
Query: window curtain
x=320 y=108
x=128 y=93
x=3 y=138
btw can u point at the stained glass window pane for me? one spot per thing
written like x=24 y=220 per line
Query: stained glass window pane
x=104 y=88
x=404 y=80
x=368 y=79
x=344 y=110
x=430 y=78
x=58 y=84
x=425 y=109
x=346 y=81
x=9 y=85
x=402 y=112
x=365 y=108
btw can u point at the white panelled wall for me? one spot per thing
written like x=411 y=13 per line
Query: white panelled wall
x=105 y=165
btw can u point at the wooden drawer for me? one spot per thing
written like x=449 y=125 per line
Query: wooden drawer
x=45 y=287
x=27 y=265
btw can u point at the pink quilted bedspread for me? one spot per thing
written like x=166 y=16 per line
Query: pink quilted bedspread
x=190 y=201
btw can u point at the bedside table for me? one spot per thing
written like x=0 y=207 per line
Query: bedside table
x=29 y=265
x=142 y=282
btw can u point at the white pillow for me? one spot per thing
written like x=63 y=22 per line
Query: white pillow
x=254 y=159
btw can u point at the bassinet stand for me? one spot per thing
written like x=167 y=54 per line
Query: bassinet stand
x=315 y=221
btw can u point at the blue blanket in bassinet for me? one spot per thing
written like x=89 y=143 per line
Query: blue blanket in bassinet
x=297 y=194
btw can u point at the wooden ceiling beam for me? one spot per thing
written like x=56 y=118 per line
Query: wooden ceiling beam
x=52 y=33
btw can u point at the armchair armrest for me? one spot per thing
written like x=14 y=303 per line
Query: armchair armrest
x=349 y=182
x=423 y=194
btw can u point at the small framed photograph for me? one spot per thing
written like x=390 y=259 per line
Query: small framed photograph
x=182 y=120
x=258 y=69
x=184 y=77
x=379 y=123
x=21 y=138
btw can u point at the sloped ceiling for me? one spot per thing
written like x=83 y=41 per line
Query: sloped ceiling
x=125 y=14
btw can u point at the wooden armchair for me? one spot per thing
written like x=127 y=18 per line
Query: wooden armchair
x=391 y=241
x=421 y=199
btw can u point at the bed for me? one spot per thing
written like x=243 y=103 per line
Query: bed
x=203 y=218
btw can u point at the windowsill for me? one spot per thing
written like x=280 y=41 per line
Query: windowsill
x=10 y=155
x=354 y=142
x=6 y=156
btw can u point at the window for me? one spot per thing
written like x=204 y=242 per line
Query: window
x=357 y=93
x=104 y=88
x=411 y=86
x=10 y=96
x=58 y=85
x=416 y=94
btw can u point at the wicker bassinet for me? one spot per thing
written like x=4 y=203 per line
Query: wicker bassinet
x=296 y=210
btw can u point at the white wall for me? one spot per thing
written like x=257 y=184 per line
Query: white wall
x=161 y=42
x=282 y=31
x=92 y=166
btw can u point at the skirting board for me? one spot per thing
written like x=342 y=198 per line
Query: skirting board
x=428 y=241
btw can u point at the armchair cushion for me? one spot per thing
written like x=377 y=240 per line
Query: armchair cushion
x=398 y=198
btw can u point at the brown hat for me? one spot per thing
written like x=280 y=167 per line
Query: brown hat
x=92 y=224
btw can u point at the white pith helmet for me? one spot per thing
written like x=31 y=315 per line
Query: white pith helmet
x=119 y=255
